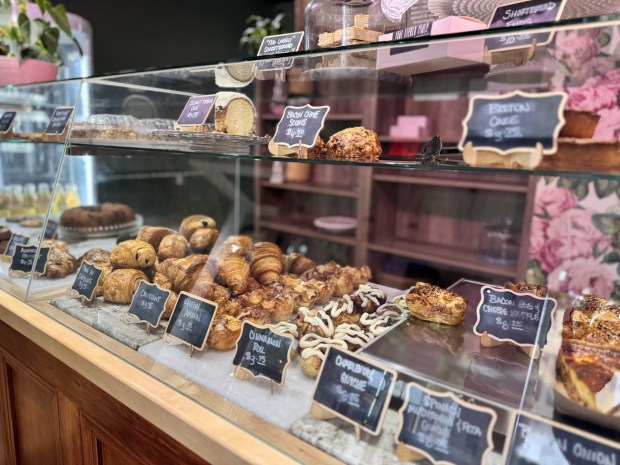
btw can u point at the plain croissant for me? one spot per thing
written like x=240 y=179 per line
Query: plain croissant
x=133 y=254
x=120 y=285
x=234 y=272
x=182 y=272
x=266 y=264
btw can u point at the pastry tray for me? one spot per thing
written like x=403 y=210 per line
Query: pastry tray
x=217 y=142
x=69 y=233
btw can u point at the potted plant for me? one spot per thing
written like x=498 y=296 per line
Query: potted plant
x=259 y=28
x=30 y=40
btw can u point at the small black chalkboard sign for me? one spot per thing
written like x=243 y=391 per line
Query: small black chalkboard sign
x=51 y=230
x=86 y=281
x=59 y=120
x=444 y=428
x=6 y=120
x=510 y=316
x=15 y=240
x=539 y=440
x=524 y=13
x=300 y=126
x=514 y=122
x=191 y=320
x=23 y=259
x=263 y=352
x=196 y=110
x=354 y=388
x=149 y=303
x=277 y=45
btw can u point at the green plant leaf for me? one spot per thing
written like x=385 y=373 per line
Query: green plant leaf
x=612 y=257
x=24 y=27
x=606 y=223
x=605 y=187
x=42 y=4
x=59 y=15
x=50 y=38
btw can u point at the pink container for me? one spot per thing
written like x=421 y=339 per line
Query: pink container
x=28 y=72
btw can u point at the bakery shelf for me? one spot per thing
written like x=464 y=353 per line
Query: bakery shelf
x=312 y=188
x=306 y=229
x=440 y=255
x=453 y=183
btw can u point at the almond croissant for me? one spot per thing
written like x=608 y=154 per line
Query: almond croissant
x=172 y=246
x=203 y=240
x=234 y=272
x=193 y=223
x=266 y=264
x=133 y=254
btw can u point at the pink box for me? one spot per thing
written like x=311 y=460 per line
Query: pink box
x=424 y=58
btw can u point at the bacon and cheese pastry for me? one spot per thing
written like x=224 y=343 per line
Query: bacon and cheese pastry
x=133 y=254
x=432 y=303
x=266 y=263
x=120 y=285
x=314 y=321
x=524 y=288
x=224 y=333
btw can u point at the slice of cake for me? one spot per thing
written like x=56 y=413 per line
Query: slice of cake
x=234 y=114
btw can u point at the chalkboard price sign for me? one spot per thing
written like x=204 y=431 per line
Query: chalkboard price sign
x=538 y=440
x=278 y=45
x=444 y=428
x=149 y=303
x=510 y=316
x=354 y=389
x=263 y=352
x=14 y=241
x=196 y=110
x=191 y=320
x=6 y=120
x=86 y=281
x=524 y=13
x=300 y=126
x=51 y=230
x=514 y=122
x=23 y=259
x=60 y=119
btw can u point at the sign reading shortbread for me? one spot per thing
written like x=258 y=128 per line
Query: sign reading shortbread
x=149 y=303
x=86 y=281
x=197 y=110
x=354 y=389
x=514 y=122
x=263 y=352
x=510 y=316
x=6 y=120
x=190 y=321
x=300 y=126
x=23 y=260
x=444 y=428
x=278 y=45
x=538 y=440
x=524 y=13
x=59 y=120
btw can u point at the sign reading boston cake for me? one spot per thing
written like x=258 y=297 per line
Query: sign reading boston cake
x=300 y=126
x=278 y=45
x=443 y=428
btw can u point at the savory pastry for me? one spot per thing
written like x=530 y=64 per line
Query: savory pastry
x=354 y=144
x=313 y=348
x=524 y=288
x=172 y=246
x=153 y=234
x=234 y=114
x=106 y=214
x=193 y=223
x=203 y=240
x=183 y=272
x=59 y=263
x=224 y=333
x=368 y=299
x=234 y=272
x=120 y=285
x=133 y=254
x=314 y=321
x=297 y=264
x=319 y=150
x=432 y=303
x=96 y=256
x=266 y=263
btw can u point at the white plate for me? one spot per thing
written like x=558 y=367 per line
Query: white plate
x=335 y=223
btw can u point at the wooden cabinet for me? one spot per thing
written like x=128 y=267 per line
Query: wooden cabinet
x=53 y=416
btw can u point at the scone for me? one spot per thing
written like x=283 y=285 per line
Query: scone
x=354 y=144
x=432 y=303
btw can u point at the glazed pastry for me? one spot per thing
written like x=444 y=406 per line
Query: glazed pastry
x=133 y=254
x=266 y=264
x=343 y=311
x=298 y=264
x=153 y=234
x=203 y=240
x=354 y=336
x=523 y=288
x=241 y=245
x=59 y=263
x=193 y=223
x=387 y=315
x=234 y=272
x=170 y=304
x=224 y=333
x=120 y=285
x=97 y=256
x=55 y=244
x=354 y=144
x=172 y=246
x=183 y=272
x=432 y=303
x=313 y=348
x=314 y=321
x=368 y=299
x=284 y=327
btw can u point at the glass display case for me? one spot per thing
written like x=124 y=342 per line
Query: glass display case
x=207 y=218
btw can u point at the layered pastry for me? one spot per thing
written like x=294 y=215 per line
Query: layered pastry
x=266 y=264
x=524 y=288
x=201 y=233
x=224 y=333
x=60 y=262
x=96 y=216
x=133 y=254
x=354 y=144
x=433 y=303
x=234 y=273
x=120 y=285
x=172 y=246
x=153 y=234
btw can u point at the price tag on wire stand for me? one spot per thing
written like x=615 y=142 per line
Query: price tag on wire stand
x=148 y=304
x=300 y=126
x=190 y=322
x=59 y=120
x=86 y=282
x=277 y=45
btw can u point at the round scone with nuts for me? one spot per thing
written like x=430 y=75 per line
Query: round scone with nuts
x=354 y=144
x=433 y=303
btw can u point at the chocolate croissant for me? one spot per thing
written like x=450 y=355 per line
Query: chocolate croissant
x=133 y=254
x=234 y=272
x=173 y=246
x=153 y=234
x=266 y=264
x=120 y=285
x=183 y=272
x=203 y=240
x=193 y=223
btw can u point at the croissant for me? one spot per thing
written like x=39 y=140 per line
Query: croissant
x=133 y=254
x=298 y=264
x=59 y=263
x=241 y=245
x=162 y=281
x=234 y=272
x=153 y=234
x=224 y=333
x=173 y=246
x=55 y=244
x=120 y=285
x=105 y=272
x=203 y=240
x=183 y=272
x=96 y=256
x=170 y=304
x=193 y=223
x=205 y=287
x=266 y=264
